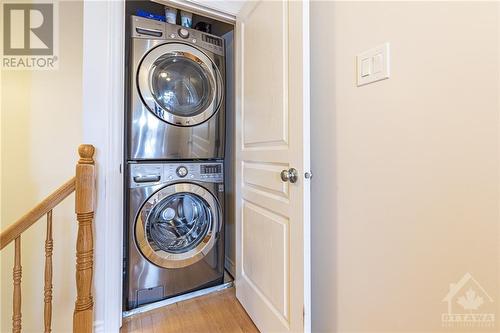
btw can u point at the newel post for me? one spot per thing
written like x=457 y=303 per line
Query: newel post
x=84 y=208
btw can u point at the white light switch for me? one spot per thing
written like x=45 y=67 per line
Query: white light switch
x=373 y=64
x=378 y=63
x=365 y=66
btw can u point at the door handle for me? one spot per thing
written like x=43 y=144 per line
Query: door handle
x=290 y=175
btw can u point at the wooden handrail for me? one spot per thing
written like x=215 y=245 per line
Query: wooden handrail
x=83 y=184
x=16 y=229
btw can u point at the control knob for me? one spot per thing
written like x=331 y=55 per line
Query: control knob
x=183 y=33
x=182 y=171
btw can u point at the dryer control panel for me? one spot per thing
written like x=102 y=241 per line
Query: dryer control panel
x=148 y=174
x=151 y=29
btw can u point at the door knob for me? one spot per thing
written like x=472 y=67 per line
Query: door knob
x=289 y=175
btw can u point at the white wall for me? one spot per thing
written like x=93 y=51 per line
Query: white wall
x=405 y=193
x=40 y=132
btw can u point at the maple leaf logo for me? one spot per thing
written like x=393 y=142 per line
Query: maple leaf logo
x=471 y=301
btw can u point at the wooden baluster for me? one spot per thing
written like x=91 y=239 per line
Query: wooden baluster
x=17 y=272
x=47 y=290
x=84 y=207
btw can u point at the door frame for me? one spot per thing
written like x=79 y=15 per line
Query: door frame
x=306 y=105
x=102 y=121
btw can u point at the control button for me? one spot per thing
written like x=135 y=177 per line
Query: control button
x=182 y=171
x=183 y=33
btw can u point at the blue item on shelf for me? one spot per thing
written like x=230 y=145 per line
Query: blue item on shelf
x=143 y=13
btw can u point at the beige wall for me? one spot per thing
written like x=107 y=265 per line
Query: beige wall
x=405 y=194
x=40 y=131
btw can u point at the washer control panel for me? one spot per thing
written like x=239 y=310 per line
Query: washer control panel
x=147 y=174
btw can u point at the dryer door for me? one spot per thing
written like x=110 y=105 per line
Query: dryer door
x=180 y=84
x=178 y=225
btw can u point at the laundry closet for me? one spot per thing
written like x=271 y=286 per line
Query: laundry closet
x=216 y=166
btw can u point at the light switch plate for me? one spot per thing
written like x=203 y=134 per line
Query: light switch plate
x=377 y=61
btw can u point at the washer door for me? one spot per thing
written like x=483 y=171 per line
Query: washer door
x=180 y=84
x=177 y=225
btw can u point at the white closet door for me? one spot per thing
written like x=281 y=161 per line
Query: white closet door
x=272 y=129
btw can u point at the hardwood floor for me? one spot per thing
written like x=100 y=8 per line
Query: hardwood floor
x=214 y=313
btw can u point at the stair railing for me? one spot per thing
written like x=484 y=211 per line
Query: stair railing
x=83 y=184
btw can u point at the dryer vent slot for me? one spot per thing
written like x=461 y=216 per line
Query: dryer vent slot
x=149 y=32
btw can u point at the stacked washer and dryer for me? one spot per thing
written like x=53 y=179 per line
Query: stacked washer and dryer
x=175 y=169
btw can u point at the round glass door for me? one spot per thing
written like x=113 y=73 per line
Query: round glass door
x=177 y=225
x=180 y=84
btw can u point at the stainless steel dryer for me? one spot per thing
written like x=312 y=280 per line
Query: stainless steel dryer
x=175 y=229
x=176 y=108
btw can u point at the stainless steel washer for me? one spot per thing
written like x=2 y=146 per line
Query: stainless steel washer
x=176 y=107
x=175 y=229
